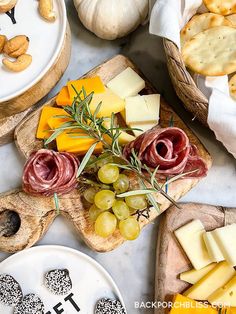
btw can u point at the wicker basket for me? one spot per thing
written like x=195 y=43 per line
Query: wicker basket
x=186 y=89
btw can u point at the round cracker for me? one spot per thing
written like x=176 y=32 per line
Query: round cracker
x=224 y=7
x=232 y=86
x=212 y=52
x=200 y=23
x=232 y=19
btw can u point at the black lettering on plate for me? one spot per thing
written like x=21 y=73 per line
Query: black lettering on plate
x=56 y=308
x=69 y=298
x=11 y=14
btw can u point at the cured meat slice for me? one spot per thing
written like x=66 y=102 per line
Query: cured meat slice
x=47 y=172
x=170 y=150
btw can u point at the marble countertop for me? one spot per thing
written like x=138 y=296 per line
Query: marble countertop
x=133 y=264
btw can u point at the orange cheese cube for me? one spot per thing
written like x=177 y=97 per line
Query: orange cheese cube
x=47 y=113
x=55 y=122
x=93 y=84
x=63 y=98
x=184 y=305
x=67 y=143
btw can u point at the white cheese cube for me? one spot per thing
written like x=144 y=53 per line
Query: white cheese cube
x=136 y=110
x=142 y=126
x=212 y=247
x=127 y=83
x=192 y=276
x=190 y=237
x=226 y=239
x=153 y=105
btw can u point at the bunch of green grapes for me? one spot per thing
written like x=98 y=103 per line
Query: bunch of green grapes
x=109 y=212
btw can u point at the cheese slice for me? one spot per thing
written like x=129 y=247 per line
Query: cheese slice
x=208 y=284
x=66 y=143
x=92 y=84
x=226 y=239
x=110 y=103
x=127 y=83
x=190 y=236
x=63 y=98
x=212 y=247
x=142 y=126
x=43 y=126
x=226 y=295
x=192 y=276
x=184 y=305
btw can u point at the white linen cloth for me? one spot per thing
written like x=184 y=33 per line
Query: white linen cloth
x=167 y=19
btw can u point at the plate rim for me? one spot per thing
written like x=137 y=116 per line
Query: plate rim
x=95 y=263
x=62 y=7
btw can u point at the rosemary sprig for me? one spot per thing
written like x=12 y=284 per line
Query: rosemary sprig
x=88 y=124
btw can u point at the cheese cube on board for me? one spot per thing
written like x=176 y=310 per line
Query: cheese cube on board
x=136 y=110
x=212 y=281
x=212 y=247
x=110 y=103
x=226 y=239
x=63 y=98
x=226 y=295
x=127 y=83
x=153 y=102
x=184 y=305
x=192 y=276
x=142 y=126
x=190 y=237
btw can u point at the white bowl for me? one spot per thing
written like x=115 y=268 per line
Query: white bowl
x=46 y=41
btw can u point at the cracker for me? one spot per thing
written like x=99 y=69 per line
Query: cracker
x=232 y=19
x=212 y=52
x=232 y=86
x=200 y=23
x=224 y=7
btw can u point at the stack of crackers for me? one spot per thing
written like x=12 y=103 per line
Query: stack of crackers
x=209 y=41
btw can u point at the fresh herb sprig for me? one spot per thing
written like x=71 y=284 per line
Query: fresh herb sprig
x=85 y=124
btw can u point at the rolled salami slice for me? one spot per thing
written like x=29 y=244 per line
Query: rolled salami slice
x=170 y=150
x=47 y=172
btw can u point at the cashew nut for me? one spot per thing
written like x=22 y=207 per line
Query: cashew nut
x=20 y=64
x=16 y=46
x=46 y=10
x=3 y=40
x=7 y=5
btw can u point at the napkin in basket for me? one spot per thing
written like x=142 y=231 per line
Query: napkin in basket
x=167 y=19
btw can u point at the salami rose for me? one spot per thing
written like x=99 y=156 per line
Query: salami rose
x=47 y=172
x=168 y=148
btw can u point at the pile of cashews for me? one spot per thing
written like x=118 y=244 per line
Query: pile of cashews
x=17 y=46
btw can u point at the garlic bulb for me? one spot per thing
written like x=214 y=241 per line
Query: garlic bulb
x=111 y=19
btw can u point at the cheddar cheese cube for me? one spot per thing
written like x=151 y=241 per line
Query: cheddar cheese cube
x=67 y=142
x=93 y=84
x=43 y=126
x=63 y=98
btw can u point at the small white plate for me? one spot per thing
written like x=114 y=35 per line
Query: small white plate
x=46 y=40
x=89 y=279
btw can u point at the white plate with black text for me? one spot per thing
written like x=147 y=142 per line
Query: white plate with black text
x=90 y=281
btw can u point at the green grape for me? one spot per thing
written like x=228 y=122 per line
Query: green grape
x=136 y=201
x=129 y=228
x=94 y=212
x=89 y=194
x=104 y=199
x=108 y=174
x=105 y=224
x=103 y=161
x=121 y=185
x=121 y=210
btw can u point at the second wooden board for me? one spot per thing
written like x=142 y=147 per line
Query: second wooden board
x=171 y=261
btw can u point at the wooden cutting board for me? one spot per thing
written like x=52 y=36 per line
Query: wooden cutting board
x=77 y=210
x=171 y=259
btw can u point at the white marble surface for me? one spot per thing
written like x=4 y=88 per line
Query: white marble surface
x=133 y=264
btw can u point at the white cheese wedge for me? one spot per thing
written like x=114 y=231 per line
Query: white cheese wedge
x=190 y=237
x=212 y=281
x=212 y=247
x=226 y=295
x=127 y=83
x=142 y=126
x=153 y=102
x=136 y=110
x=226 y=239
x=192 y=276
